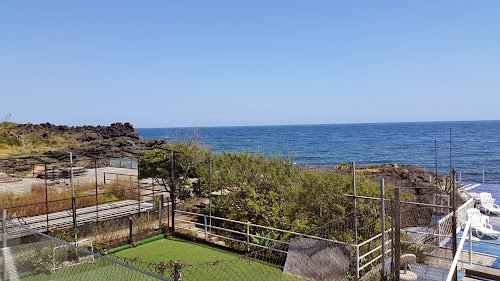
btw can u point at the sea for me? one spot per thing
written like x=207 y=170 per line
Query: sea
x=472 y=148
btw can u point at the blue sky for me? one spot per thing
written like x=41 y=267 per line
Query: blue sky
x=216 y=63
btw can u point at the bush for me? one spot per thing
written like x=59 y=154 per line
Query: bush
x=5 y=139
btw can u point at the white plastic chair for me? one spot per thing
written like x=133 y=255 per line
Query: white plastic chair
x=488 y=203
x=479 y=224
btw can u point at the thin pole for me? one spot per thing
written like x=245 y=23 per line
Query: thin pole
x=153 y=187
x=454 y=220
x=168 y=217
x=450 y=152
x=96 y=193
x=4 y=243
x=382 y=212
x=160 y=212
x=436 y=154
x=130 y=227
x=483 y=175
x=397 y=233
x=210 y=192
x=172 y=190
x=138 y=188
x=73 y=200
x=46 y=200
x=4 y=230
x=355 y=206
x=355 y=218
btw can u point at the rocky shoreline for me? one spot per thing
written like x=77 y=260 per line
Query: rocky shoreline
x=117 y=140
x=121 y=140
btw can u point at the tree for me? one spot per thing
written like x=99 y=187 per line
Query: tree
x=173 y=165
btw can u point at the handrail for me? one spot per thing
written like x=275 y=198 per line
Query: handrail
x=459 y=251
x=268 y=228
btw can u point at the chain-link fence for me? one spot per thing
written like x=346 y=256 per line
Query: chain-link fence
x=312 y=256
x=30 y=255
x=94 y=196
x=336 y=229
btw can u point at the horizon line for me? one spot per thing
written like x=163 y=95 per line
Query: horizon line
x=315 y=124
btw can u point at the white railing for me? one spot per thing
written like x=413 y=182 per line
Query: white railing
x=206 y=228
x=444 y=225
x=360 y=267
x=467 y=231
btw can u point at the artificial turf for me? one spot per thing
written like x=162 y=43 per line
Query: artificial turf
x=176 y=249
x=205 y=262
x=201 y=262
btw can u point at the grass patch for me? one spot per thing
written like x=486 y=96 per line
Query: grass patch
x=177 y=249
x=203 y=261
x=99 y=270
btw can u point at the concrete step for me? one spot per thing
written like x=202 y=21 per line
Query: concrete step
x=482 y=272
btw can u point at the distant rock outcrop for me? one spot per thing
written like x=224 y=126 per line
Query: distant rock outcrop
x=116 y=140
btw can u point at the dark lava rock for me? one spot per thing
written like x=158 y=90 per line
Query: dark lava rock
x=119 y=140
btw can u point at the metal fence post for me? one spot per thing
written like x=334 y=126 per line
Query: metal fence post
x=357 y=262
x=4 y=243
x=96 y=193
x=153 y=186
x=454 y=219
x=397 y=233
x=210 y=191
x=46 y=200
x=168 y=216
x=130 y=226
x=248 y=237
x=4 y=230
x=138 y=188
x=73 y=200
x=355 y=218
x=160 y=212
x=172 y=190
x=382 y=213
x=205 y=226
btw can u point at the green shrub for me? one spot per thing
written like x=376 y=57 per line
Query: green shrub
x=4 y=138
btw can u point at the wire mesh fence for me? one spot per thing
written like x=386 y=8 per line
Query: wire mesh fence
x=275 y=255
x=335 y=236
x=30 y=255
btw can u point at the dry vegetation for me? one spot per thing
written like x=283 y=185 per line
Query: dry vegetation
x=59 y=198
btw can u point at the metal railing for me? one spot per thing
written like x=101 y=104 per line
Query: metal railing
x=206 y=229
x=467 y=231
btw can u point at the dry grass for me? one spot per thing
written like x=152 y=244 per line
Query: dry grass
x=59 y=198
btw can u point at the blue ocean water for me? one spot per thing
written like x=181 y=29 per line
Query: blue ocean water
x=475 y=144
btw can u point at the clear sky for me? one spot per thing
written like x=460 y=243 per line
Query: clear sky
x=215 y=63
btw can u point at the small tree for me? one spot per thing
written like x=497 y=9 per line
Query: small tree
x=174 y=164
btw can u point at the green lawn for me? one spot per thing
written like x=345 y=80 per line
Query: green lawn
x=205 y=262
x=177 y=249
x=201 y=262
x=99 y=270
